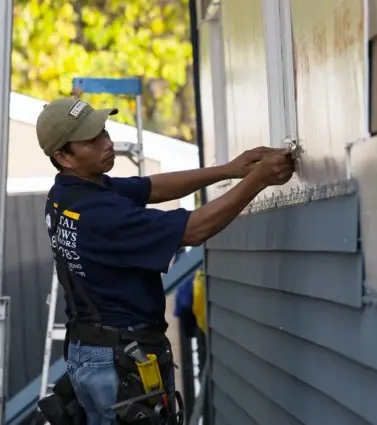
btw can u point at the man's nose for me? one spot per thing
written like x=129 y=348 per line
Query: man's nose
x=109 y=144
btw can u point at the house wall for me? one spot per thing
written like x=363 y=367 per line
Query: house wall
x=291 y=336
x=291 y=290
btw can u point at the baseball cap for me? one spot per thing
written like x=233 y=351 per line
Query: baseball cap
x=69 y=120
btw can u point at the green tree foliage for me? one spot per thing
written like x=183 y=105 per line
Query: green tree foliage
x=55 y=40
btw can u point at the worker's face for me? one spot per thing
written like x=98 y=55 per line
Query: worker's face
x=91 y=157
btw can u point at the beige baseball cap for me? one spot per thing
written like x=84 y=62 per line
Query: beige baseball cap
x=69 y=120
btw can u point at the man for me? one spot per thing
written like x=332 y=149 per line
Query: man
x=111 y=249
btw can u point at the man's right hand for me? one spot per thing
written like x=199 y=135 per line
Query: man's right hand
x=276 y=168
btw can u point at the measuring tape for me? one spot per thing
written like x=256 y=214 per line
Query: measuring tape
x=294 y=148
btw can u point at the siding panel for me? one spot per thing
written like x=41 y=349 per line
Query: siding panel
x=12 y=287
x=305 y=402
x=333 y=277
x=325 y=324
x=219 y=420
x=27 y=280
x=309 y=364
x=288 y=325
x=28 y=256
x=227 y=411
x=259 y=408
x=328 y=225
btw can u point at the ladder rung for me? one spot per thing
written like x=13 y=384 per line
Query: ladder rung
x=58 y=333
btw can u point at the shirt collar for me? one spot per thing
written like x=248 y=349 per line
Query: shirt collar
x=68 y=180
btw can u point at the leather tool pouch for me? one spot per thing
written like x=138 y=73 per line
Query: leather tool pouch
x=62 y=407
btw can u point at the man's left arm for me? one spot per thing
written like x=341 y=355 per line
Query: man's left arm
x=178 y=184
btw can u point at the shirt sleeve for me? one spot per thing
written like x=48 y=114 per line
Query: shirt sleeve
x=118 y=233
x=136 y=188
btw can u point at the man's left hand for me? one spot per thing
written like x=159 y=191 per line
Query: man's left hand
x=240 y=166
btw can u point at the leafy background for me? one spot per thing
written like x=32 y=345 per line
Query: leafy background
x=55 y=41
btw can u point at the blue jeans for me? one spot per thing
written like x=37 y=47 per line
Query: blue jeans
x=95 y=381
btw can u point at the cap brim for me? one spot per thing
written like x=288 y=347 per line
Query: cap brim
x=93 y=125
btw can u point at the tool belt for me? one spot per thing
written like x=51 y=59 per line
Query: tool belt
x=143 y=361
x=109 y=336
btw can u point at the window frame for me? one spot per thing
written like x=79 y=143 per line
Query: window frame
x=370 y=10
x=280 y=71
x=217 y=59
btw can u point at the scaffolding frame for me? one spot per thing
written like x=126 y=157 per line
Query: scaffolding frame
x=6 y=23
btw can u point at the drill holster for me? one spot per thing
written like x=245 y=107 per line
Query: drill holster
x=144 y=394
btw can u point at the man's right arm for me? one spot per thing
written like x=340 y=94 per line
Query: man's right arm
x=211 y=218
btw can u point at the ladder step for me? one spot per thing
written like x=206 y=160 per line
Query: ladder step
x=58 y=333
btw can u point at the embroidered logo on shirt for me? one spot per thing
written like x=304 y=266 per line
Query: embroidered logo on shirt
x=48 y=221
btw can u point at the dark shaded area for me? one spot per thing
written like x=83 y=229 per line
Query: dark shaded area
x=28 y=269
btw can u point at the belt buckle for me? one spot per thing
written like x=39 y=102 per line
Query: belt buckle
x=138 y=327
x=109 y=328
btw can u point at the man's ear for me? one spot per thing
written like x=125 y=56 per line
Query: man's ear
x=63 y=158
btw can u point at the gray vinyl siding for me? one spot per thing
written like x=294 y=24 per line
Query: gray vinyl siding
x=27 y=280
x=292 y=341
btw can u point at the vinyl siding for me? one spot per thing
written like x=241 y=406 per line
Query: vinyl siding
x=291 y=338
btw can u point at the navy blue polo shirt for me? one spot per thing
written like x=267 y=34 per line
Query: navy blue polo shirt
x=117 y=246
